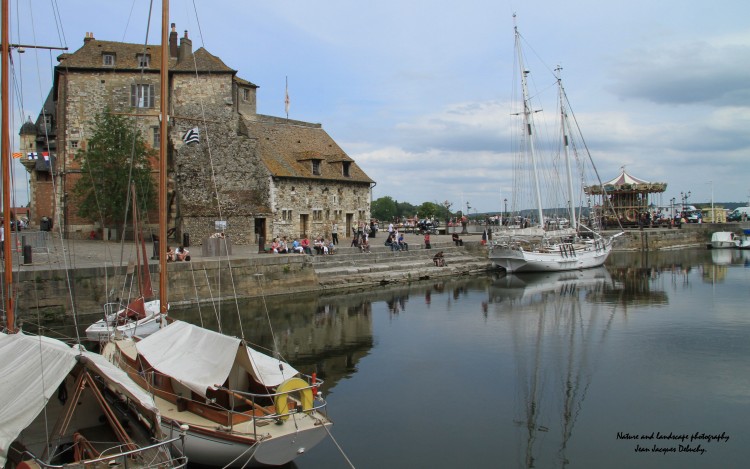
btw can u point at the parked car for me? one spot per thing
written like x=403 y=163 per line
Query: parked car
x=736 y=214
x=694 y=216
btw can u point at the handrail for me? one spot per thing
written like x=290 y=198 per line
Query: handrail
x=182 y=459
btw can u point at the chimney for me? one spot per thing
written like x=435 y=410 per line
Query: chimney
x=173 y=42
x=89 y=37
x=186 y=49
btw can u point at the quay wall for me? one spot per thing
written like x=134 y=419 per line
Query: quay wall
x=44 y=292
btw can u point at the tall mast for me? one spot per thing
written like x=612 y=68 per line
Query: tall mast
x=5 y=151
x=564 y=124
x=164 y=101
x=528 y=124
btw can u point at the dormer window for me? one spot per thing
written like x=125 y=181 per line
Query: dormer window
x=316 y=167
x=108 y=60
x=144 y=60
x=345 y=168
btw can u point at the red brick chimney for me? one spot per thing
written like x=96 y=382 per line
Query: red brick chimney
x=173 y=42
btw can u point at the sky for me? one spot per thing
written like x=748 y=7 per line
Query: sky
x=419 y=92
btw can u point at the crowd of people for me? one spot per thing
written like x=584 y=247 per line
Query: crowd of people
x=302 y=245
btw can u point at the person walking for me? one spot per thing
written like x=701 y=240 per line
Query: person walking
x=335 y=233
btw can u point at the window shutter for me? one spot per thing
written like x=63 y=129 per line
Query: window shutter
x=151 y=96
x=133 y=95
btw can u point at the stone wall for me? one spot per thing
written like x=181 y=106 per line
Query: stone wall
x=45 y=294
x=316 y=205
x=221 y=178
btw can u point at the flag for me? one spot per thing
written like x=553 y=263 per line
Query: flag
x=32 y=155
x=191 y=136
x=45 y=155
x=17 y=154
x=286 y=98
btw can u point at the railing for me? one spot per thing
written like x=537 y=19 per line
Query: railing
x=318 y=403
x=38 y=240
x=112 y=460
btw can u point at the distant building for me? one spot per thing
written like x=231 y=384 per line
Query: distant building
x=264 y=176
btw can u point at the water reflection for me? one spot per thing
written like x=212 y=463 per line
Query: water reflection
x=559 y=324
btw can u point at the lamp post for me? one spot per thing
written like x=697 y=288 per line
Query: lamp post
x=505 y=213
x=671 y=212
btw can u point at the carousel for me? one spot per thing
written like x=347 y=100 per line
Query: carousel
x=624 y=199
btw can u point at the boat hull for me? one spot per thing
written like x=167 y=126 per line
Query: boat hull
x=211 y=447
x=103 y=329
x=519 y=260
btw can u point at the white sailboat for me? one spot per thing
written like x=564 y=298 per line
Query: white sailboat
x=239 y=407
x=141 y=315
x=539 y=242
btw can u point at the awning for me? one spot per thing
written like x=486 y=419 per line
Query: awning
x=202 y=359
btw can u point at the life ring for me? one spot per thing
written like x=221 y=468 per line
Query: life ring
x=291 y=385
x=631 y=215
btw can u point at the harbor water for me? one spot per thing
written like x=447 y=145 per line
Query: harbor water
x=643 y=364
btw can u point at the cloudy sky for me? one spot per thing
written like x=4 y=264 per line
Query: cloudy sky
x=418 y=92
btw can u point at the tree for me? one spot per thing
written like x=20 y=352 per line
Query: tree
x=115 y=156
x=384 y=208
x=429 y=210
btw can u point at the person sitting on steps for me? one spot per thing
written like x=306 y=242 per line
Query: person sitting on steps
x=438 y=259
x=457 y=241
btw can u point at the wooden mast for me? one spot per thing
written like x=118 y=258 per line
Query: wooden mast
x=5 y=152
x=164 y=101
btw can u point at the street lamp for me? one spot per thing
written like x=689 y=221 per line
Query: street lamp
x=671 y=212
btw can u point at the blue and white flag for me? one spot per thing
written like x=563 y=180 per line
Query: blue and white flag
x=191 y=136
x=32 y=155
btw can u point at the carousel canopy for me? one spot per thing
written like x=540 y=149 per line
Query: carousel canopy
x=626 y=183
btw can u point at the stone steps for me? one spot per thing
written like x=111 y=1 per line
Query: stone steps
x=349 y=268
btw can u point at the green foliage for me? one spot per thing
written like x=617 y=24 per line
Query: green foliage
x=384 y=208
x=115 y=155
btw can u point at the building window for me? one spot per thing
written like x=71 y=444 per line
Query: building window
x=108 y=60
x=316 y=167
x=157 y=136
x=245 y=94
x=346 y=166
x=286 y=215
x=141 y=95
x=317 y=215
x=144 y=60
x=74 y=144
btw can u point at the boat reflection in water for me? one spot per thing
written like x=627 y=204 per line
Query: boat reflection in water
x=559 y=323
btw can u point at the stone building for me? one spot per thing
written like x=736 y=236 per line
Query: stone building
x=256 y=175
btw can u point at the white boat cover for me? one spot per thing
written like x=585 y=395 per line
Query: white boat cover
x=202 y=359
x=722 y=236
x=120 y=381
x=32 y=368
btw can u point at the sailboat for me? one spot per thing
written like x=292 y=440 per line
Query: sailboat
x=62 y=406
x=539 y=242
x=239 y=407
x=140 y=316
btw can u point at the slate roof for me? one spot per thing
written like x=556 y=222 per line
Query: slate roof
x=90 y=56
x=287 y=149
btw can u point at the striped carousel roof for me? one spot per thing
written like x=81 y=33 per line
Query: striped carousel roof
x=627 y=182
